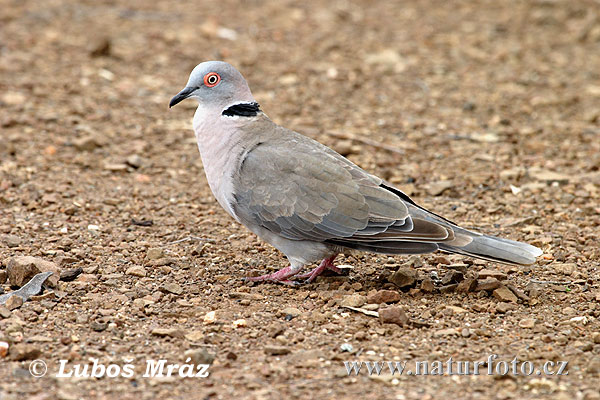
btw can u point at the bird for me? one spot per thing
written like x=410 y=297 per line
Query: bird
x=305 y=199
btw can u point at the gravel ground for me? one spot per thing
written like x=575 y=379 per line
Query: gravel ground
x=484 y=112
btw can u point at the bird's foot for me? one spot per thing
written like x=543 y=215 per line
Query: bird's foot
x=280 y=276
x=327 y=263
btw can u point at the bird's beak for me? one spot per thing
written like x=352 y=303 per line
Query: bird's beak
x=184 y=94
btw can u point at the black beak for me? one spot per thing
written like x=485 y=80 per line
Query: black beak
x=184 y=94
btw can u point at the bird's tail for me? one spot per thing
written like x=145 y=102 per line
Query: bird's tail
x=491 y=248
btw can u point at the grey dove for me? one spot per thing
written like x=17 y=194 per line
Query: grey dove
x=305 y=199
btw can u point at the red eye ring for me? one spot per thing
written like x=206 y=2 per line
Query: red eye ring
x=212 y=79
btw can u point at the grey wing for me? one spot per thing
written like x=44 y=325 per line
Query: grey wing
x=302 y=190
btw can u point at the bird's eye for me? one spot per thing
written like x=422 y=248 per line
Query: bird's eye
x=211 y=79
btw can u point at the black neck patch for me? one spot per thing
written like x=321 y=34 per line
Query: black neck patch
x=242 y=110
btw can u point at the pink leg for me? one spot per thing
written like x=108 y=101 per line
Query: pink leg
x=327 y=263
x=280 y=276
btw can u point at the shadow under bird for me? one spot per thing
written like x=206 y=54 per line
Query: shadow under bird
x=305 y=199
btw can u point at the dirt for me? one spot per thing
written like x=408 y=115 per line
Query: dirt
x=484 y=112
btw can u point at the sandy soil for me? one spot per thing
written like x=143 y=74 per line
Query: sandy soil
x=485 y=112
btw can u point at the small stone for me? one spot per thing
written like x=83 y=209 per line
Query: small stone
x=87 y=143
x=4 y=312
x=195 y=336
x=240 y=323
x=3 y=277
x=427 y=285
x=565 y=268
x=98 y=326
x=3 y=349
x=452 y=277
x=404 y=277
x=487 y=284
x=69 y=275
x=171 y=332
x=504 y=307
x=445 y=332
x=24 y=351
x=136 y=270
x=504 y=294
x=437 y=188
x=353 y=300
x=384 y=296
x=596 y=337
x=210 y=317
x=518 y=292
x=12 y=241
x=393 y=315
x=527 y=323
x=549 y=176
x=199 y=356
x=14 y=302
x=448 y=288
x=465 y=332
x=490 y=273
x=456 y=309
x=466 y=286
x=292 y=311
x=101 y=47
x=273 y=350
x=21 y=269
x=171 y=287
x=135 y=161
x=154 y=254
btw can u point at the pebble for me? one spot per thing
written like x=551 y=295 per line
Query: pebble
x=136 y=270
x=353 y=300
x=383 y=296
x=427 y=285
x=445 y=332
x=3 y=349
x=527 y=323
x=503 y=308
x=195 y=336
x=452 y=277
x=491 y=273
x=154 y=254
x=293 y=311
x=98 y=326
x=210 y=317
x=404 y=277
x=4 y=312
x=171 y=287
x=199 y=356
x=466 y=286
x=24 y=351
x=14 y=302
x=135 y=161
x=12 y=241
x=3 y=277
x=487 y=284
x=21 y=269
x=87 y=143
x=596 y=337
x=437 y=188
x=448 y=288
x=170 y=332
x=393 y=315
x=69 y=275
x=504 y=294
x=240 y=323
x=565 y=268
x=274 y=350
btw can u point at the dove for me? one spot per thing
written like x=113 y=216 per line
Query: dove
x=306 y=200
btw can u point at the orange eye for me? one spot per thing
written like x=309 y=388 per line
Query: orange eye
x=211 y=79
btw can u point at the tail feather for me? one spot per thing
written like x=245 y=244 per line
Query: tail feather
x=494 y=249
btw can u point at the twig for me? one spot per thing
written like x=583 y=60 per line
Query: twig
x=368 y=142
x=551 y=282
